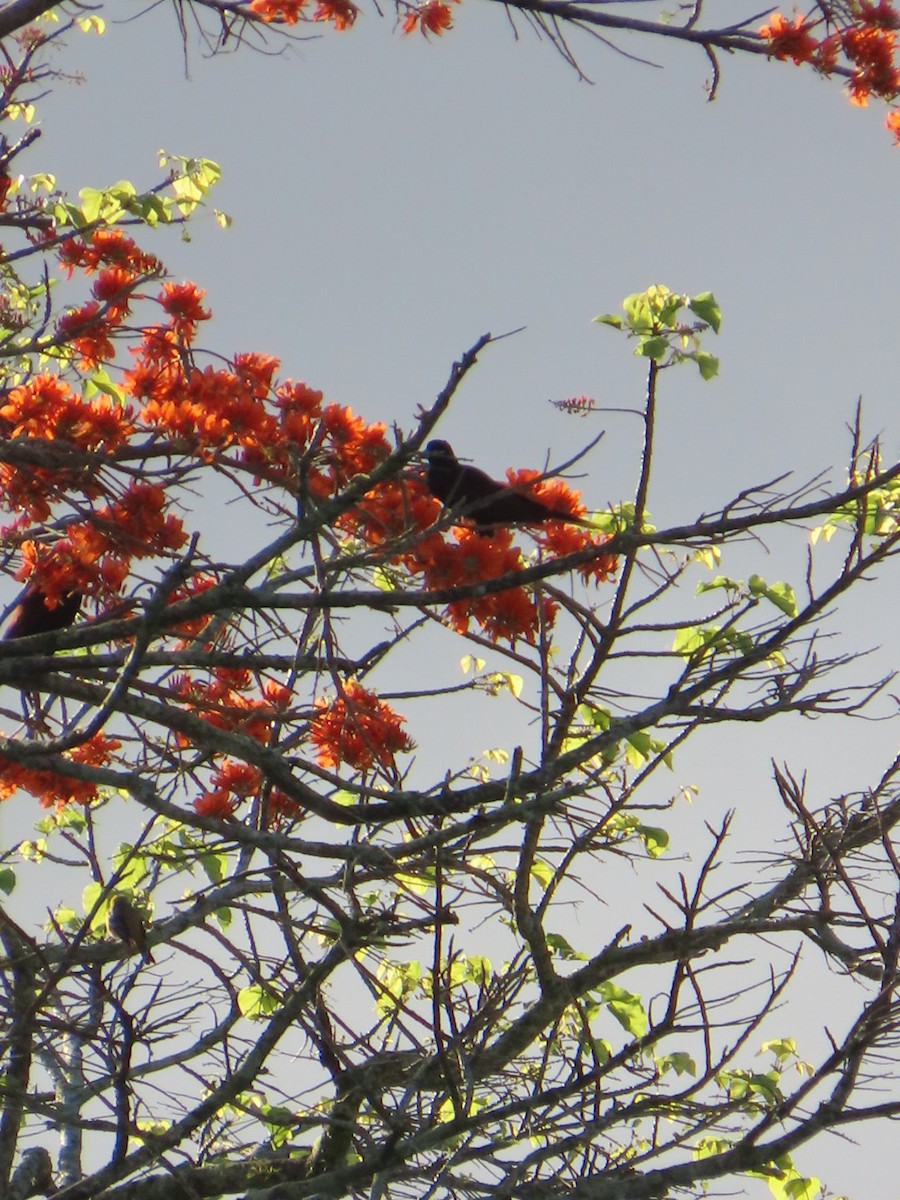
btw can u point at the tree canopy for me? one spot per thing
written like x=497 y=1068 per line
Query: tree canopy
x=324 y=965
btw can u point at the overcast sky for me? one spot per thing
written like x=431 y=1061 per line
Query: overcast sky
x=394 y=199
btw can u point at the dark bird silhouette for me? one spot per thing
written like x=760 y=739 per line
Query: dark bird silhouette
x=124 y=922
x=491 y=503
x=32 y=615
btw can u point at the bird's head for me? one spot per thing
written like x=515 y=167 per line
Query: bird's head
x=439 y=453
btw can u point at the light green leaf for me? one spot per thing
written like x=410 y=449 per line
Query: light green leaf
x=652 y=347
x=782 y=595
x=704 y=306
x=626 y=1007
x=708 y=364
x=542 y=872
x=257 y=1002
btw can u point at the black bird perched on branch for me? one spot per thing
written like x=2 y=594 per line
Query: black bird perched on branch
x=32 y=614
x=124 y=922
x=491 y=503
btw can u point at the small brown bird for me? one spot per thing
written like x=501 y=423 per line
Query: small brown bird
x=491 y=503
x=32 y=614
x=124 y=922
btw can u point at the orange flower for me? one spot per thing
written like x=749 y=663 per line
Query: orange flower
x=358 y=447
x=106 y=246
x=257 y=371
x=217 y=804
x=299 y=409
x=87 y=333
x=282 y=809
x=137 y=522
x=221 y=704
x=511 y=613
x=872 y=52
x=237 y=777
x=357 y=729
x=113 y=287
x=56 y=791
x=879 y=16
x=434 y=16
x=342 y=12
x=285 y=12
x=790 y=40
x=96 y=751
x=182 y=303
x=392 y=509
x=277 y=694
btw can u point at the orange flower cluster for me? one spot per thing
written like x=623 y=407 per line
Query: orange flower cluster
x=46 y=407
x=234 y=416
x=224 y=704
x=509 y=614
x=237 y=781
x=197 y=584
x=282 y=809
x=342 y=13
x=271 y=425
x=284 y=12
x=181 y=302
x=52 y=790
x=357 y=729
x=395 y=508
x=94 y=556
x=121 y=267
x=106 y=247
x=434 y=16
x=232 y=782
x=868 y=44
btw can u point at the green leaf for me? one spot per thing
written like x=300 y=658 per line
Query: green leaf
x=638 y=313
x=626 y=1007
x=542 y=872
x=708 y=364
x=652 y=347
x=559 y=946
x=654 y=838
x=257 y=1002
x=7 y=880
x=608 y=319
x=91 y=203
x=383 y=579
x=500 y=680
x=705 y=307
x=214 y=866
x=597 y=718
x=782 y=595
x=780 y=1047
x=67 y=918
x=89 y=897
x=679 y=1062
x=720 y=581
x=100 y=381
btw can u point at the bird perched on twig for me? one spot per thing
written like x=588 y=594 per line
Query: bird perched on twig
x=32 y=614
x=491 y=503
x=124 y=922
